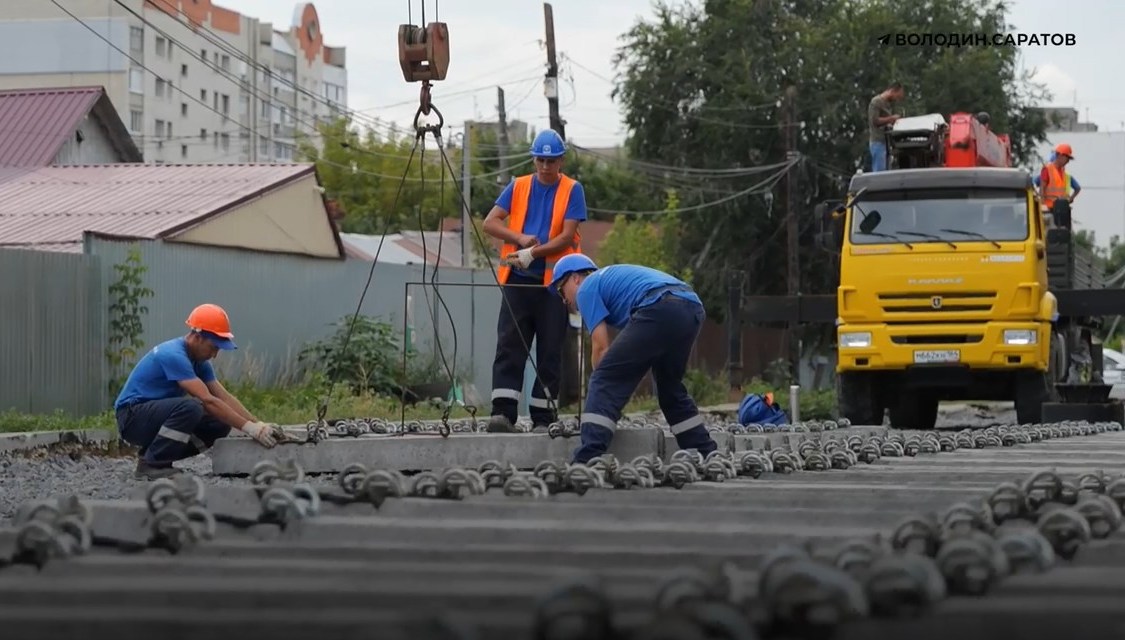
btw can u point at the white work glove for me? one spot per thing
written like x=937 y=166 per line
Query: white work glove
x=261 y=432
x=521 y=258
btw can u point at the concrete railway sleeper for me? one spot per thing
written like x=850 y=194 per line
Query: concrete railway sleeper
x=1005 y=539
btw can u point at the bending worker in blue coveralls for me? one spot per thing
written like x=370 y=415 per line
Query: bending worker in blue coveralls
x=660 y=318
x=172 y=407
x=543 y=211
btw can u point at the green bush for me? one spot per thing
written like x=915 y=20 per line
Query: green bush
x=368 y=363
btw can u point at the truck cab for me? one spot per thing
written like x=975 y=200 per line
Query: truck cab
x=943 y=294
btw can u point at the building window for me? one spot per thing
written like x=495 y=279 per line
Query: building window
x=226 y=105
x=137 y=81
x=136 y=121
x=161 y=47
x=168 y=130
x=203 y=135
x=203 y=55
x=225 y=63
x=159 y=128
x=226 y=141
x=160 y=89
x=183 y=109
x=137 y=39
x=215 y=140
x=183 y=70
x=203 y=95
x=183 y=150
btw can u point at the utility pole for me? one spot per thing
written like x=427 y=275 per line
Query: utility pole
x=467 y=196
x=551 y=82
x=789 y=122
x=572 y=372
x=503 y=135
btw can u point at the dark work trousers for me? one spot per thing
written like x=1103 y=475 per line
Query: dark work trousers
x=533 y=312
x=659 y=337
x=169 y=430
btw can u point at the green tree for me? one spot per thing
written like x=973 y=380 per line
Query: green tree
x=702 y=86
x=363 y=171
x=650 y=242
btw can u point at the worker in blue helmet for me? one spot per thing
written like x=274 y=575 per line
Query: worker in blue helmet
x=536 y=218
x=659 y=318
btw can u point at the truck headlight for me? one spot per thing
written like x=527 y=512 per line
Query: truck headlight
x=1020 y=336
x=855 y=340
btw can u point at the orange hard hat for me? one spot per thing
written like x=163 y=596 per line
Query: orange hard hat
x=1065 y=150
x=212 y=319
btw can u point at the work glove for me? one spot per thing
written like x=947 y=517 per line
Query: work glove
x=261 y=432
x=521 y=258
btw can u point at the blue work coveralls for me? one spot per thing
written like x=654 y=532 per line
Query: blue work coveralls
x=660 y=318
x=155 y=414
x=532 y=313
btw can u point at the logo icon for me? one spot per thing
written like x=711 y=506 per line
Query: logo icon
x=546 y=148
x=935 y=302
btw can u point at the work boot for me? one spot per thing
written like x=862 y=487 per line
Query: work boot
x=146 y=471
x=501 y=424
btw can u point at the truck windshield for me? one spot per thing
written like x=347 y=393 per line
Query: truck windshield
x=920 y=217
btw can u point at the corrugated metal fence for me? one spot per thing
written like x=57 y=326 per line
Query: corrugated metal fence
x=54 y=308
x=52 y=332
x=54 y=315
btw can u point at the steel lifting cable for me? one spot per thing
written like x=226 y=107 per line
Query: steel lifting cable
x=424 y=108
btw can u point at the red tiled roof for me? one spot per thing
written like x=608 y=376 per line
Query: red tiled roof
x=36 y=123
x=50 y=206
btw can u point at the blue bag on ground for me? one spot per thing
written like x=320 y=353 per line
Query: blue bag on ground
x=760 y=409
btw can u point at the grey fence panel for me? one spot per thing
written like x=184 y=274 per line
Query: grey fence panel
x=280 y=303
x=52 y=333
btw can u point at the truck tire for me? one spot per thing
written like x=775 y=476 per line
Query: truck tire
x=1033 y=388
x=857 y=399
x=914 y=410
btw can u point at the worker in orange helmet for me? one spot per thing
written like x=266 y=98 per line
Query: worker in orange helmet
x=1054 y=182
x=172 y=406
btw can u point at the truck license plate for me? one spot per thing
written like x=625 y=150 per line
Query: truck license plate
x=930 y=357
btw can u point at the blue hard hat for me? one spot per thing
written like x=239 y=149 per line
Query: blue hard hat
x=569 y=264
x=548 y=144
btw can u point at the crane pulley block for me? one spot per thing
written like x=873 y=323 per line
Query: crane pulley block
x=423 y=53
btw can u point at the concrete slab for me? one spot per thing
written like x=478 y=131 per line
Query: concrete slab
x=237 y=456
x=25 y=440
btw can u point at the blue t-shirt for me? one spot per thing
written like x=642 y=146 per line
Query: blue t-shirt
x=157 y=375
x=612 y=293
x=540 y=205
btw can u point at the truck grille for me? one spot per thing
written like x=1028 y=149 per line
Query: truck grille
x=938 y=302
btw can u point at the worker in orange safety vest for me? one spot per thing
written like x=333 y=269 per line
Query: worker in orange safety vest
x=1054 y=182
x=537 y=218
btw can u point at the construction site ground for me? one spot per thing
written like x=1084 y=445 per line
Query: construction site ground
x=977 y=529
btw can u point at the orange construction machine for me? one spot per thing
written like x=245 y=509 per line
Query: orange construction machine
x=965 y=141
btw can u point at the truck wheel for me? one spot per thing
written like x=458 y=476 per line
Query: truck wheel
x=914 y=411
x=1033 y=388
x=857 y=399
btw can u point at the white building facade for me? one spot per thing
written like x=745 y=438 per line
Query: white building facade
x=193 y=82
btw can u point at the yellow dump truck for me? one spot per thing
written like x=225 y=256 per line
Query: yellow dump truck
x=943 y=295
x=952 y=287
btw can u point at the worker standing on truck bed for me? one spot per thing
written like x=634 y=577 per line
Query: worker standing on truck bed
x=1054 y=182
x=879 y=120
x=173 y=407
x=543 y=211
x=659 y=317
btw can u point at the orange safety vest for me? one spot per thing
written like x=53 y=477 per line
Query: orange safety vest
x=521 y=195
x=1058 y=185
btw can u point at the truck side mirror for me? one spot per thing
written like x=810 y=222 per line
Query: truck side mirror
x=830 y=224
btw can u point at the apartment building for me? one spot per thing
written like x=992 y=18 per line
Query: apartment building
x=196 y=82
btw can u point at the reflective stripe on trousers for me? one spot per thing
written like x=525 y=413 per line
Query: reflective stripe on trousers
x=658 y=337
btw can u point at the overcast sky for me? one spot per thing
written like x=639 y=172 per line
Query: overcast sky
x=502 y=45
